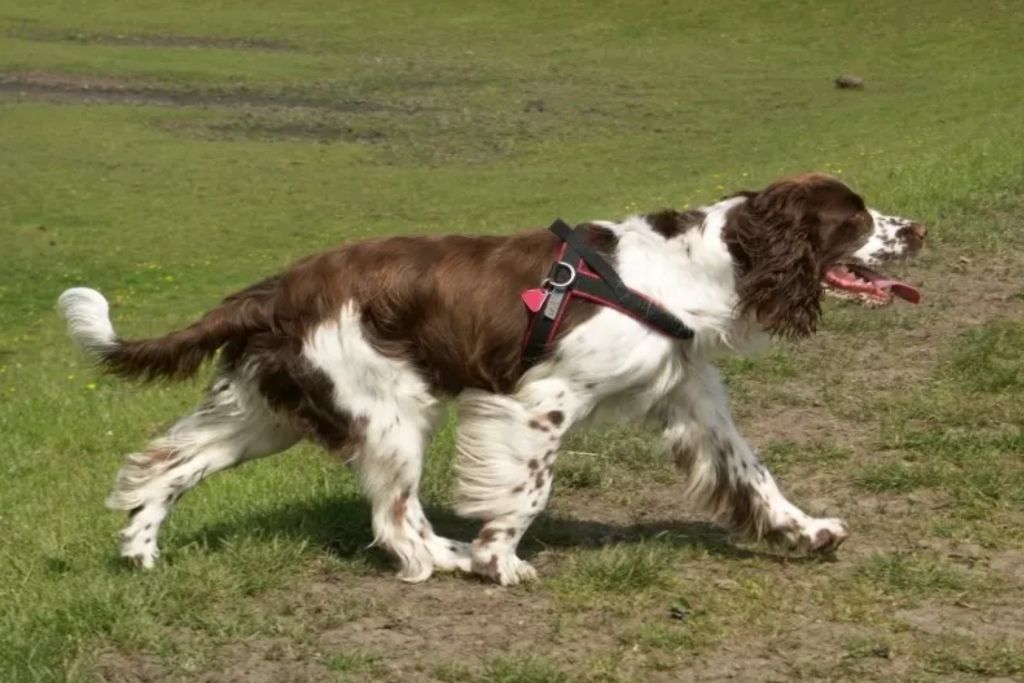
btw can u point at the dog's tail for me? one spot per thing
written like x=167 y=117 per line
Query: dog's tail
x=178 y=355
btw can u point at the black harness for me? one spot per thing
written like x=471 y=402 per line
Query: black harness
x=580 y=271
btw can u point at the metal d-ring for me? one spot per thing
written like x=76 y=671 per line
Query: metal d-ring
x=569 y=280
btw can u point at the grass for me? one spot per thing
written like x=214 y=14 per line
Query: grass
x=913 y=576
x=310 y=125
x=945 y=437
x=529 y=669
x=350 y=663
x=614 y=574
x=960 y=655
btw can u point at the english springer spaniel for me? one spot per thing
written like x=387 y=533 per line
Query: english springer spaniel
x=353 y=348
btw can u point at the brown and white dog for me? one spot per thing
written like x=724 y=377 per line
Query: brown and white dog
x=354 y=347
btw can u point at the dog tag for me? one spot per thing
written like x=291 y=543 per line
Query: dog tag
x=554 y=303
x=534 y=299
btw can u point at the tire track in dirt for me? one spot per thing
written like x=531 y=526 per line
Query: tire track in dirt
x=154 y=40
x=62 y=88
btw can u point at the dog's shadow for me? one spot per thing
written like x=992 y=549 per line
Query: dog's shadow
x=341 y=526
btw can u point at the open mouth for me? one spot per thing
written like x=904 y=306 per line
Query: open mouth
x=859 y=282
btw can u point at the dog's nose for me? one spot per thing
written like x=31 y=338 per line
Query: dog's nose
x=918 y=230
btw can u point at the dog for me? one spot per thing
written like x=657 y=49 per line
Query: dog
x=354 y=348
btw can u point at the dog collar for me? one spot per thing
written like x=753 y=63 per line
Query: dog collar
x=581 y=272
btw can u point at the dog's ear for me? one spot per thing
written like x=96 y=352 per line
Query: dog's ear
x=782 y=238
x=738 y=193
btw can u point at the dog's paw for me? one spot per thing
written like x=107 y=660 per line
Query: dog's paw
x=451 y=555
x=815 y=536
x=829 y=535
x=415 y=568
x=506 y=569
x=140 y=555
x=138 y=541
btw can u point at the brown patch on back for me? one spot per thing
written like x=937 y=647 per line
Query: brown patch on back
x=671 y=224
x=556 y=417
x=448 y=304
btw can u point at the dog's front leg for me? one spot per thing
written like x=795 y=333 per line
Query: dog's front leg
x=506 y=454
x=724 y=476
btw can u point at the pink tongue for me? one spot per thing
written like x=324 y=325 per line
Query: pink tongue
x=900 y=289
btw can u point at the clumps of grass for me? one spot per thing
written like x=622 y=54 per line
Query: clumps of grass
x=614 y=574
x=775 y=363
x=898 y=477
x=980 y=472
x=595 y=459
x=531 y=669
x=513 y=669
x=606 y=668
x=991 y=358
x=581 y=473
x=913 y=576
x=453 y=672
x=961 y=655
x=632 y=444
x=959 y=433
x=691 y=634
x=356 y=662
x=868 y=647
x=857 y=321
x=781 y=455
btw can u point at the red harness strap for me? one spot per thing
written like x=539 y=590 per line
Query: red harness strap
x=579 y=271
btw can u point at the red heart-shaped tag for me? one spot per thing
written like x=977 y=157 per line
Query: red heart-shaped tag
x=534 y=299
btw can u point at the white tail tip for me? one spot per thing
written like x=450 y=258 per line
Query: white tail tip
x=88 y=317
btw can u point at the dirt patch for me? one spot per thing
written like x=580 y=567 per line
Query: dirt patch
x=322 y=131
x=995 y=622
x=393 y=631
x=803 y=426
x=157 y=40
x=965 y=295
x=115 y=667
x=63 y=88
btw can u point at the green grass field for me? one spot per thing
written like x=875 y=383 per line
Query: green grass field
x=169 y=153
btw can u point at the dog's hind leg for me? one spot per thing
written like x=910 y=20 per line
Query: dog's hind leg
x=230 y=426
x=389 y=462
x=392 y=415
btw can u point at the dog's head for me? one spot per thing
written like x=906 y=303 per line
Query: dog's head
x=801 y=236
